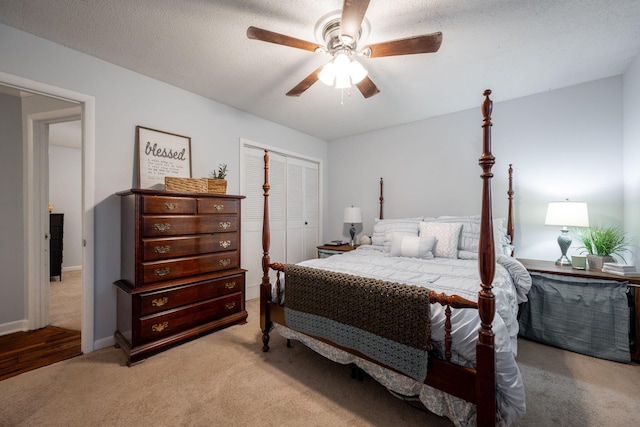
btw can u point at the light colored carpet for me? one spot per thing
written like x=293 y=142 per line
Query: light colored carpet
x=224 y=379
x=65 y=300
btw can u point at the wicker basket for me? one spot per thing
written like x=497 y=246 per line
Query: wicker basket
x=216 y=186
x=195 y=185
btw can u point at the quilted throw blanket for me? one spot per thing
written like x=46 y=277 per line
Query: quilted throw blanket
x=388 y=322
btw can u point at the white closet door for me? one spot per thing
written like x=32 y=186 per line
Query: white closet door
x=302 y=210
x=294 y=212
x=311 y=210
x=252 y=213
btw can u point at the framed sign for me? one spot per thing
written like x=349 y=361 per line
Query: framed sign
x=161 y=154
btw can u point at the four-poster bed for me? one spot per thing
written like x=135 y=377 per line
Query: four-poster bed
x=443 y=341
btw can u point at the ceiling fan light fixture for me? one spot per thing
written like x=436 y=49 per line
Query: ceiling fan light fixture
x=328 y=74
x=357 y=72
x=343 y=81
x=342 y=72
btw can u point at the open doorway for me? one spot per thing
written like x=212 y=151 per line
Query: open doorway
x=29 y=245
x=65 y=224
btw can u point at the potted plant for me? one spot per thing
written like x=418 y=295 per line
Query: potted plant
x=601 y=243
x=216 y=181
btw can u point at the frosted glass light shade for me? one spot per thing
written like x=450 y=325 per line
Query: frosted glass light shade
x=342 y=72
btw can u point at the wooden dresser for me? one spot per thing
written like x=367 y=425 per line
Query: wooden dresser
x=56 y=233
x=180 y=269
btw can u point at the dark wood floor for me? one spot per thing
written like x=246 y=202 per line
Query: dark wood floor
x=24 y=351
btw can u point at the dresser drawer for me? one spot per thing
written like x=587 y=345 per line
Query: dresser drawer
x=183 y=267
x=172 y=247
x=217 y=206
x=168 y=205
x=172 y=321
x=155 y=302
x=156 y=226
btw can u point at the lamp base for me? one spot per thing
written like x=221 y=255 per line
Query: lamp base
x=352 y=232
x=564 y=241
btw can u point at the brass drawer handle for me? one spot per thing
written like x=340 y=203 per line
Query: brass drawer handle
x=161 y=271
x=230 y=285
x=225 y=262
x=162 y=227
x=225 y=243
x=159 y=327
x=230 y=305
x=225 y=225
x=159 y=302
x=162 y=249
x=170 y=206
x=218 y=207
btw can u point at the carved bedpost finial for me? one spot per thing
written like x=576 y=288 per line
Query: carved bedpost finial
x=487 y=108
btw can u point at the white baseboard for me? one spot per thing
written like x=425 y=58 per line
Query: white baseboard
x=252 y=292
x=72 y=268
x=104 y=343
x=13 y=327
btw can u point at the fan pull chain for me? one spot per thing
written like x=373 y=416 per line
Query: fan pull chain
x=342 y=96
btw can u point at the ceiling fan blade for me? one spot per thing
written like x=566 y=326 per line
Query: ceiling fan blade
x=419 y=44
x=271 y=37
x=305 y=84
x=367 y=87
x=352 y=15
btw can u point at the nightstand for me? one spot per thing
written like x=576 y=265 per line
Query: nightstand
x=325 y=251
x=581 y=304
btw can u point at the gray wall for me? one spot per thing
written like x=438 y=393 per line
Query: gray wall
x=563 y=144
x=123 y=100
x=11 y=200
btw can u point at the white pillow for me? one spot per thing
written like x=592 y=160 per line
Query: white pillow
x=412 y=246
x=447 y=235
x=470 y=235
x=400 y=225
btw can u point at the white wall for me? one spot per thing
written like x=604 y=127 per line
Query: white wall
x=12 y=307
x=631 y=157
x=65 y=191
x=124 y=99
x=563 y=144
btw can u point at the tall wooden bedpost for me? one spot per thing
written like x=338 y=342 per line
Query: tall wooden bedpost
x=381 y=200
x=510 y=226
x=265 y=286
x=485 y=352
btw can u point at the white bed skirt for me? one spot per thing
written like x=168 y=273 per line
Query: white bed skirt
x=459 y=411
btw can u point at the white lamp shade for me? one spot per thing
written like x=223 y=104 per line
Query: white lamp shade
x=567 y=214
x=352 y=215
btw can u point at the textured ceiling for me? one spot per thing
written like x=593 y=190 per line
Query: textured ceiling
x=515 y=47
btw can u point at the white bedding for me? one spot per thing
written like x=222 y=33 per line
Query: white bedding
x=451 y=276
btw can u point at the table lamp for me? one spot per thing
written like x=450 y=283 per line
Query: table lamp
x=566 y=214
x=352 y=216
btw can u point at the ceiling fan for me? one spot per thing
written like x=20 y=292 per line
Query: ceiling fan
x=341 y=31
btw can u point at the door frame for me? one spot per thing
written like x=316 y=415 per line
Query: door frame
x=37 y=158
x=34 y=227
